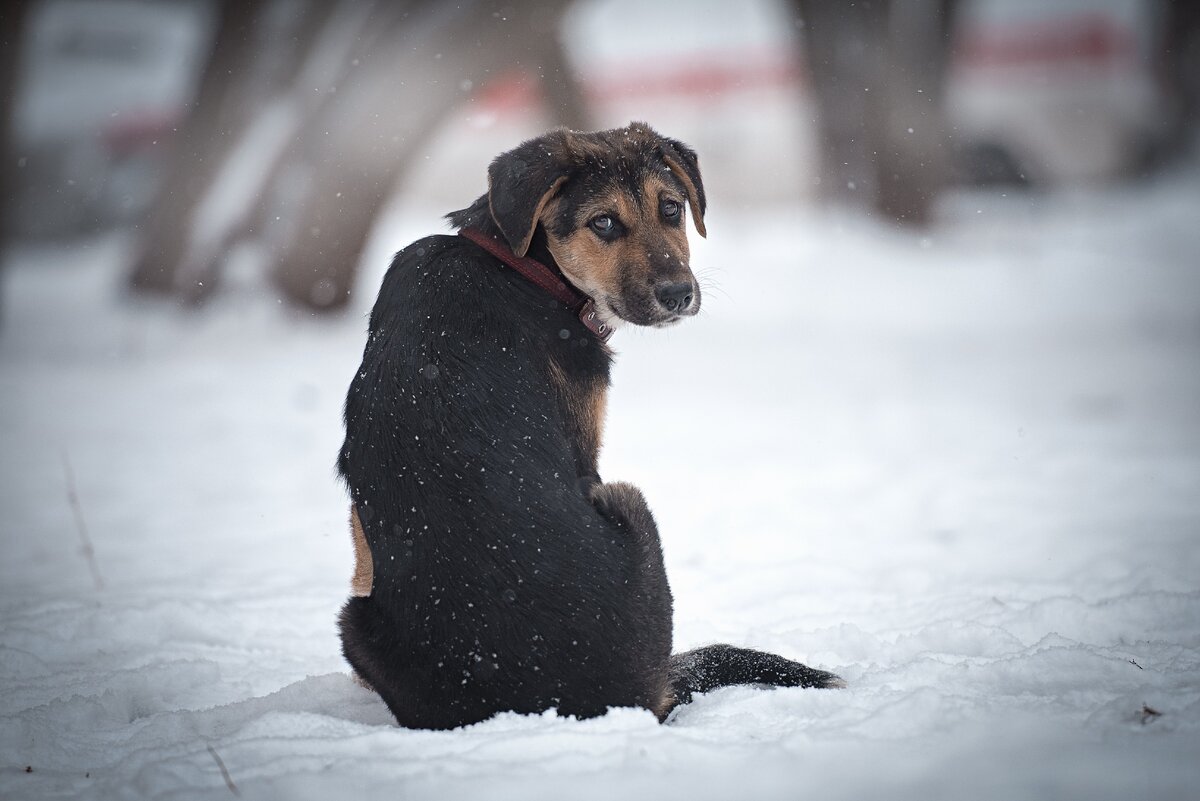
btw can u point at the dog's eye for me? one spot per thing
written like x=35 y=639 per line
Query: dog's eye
x=604 y=225
x=671 y=209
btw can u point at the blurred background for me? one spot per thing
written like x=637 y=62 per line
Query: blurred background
x=936 y=427
x=282 y=128
x=933 y=223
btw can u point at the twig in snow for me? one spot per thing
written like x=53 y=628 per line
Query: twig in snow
x=89 y=552
x=224 y=771
x=1149 y=714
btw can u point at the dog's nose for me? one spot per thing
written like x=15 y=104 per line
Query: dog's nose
x=675 y=297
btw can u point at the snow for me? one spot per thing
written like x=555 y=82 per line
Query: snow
x=961 y=469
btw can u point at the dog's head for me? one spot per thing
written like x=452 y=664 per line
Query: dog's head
x=611 y=204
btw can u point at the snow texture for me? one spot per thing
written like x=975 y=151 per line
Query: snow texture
x=960 y=469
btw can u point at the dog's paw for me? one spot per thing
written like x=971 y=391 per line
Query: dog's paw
x=588 y=484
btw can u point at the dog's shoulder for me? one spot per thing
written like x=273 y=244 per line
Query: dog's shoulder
x=420 y=268
x=427 y=252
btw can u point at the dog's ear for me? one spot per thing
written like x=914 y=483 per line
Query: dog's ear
x=521 y=183
x=683 y=162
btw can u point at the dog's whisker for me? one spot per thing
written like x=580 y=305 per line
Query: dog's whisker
x=708 y=287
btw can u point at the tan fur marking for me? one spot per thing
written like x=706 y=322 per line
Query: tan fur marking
x=598 y=408
x=558 y=378
x=590 y=262
x=655 y=189
x=666 y=702
x=598 y=268
x=693 y=195
x=364 y=567
x=585 y=405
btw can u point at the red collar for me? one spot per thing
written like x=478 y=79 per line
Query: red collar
x=539 y=274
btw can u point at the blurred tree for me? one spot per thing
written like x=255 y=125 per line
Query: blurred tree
x=1178 y=69
x=218 y=112
x=319 y=140
x=878 y=70
x=13 y=17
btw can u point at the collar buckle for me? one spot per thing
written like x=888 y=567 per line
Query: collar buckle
x=591 y=321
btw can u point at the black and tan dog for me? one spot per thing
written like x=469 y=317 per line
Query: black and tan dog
x=496 y=571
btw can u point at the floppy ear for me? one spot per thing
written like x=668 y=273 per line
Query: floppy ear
x=521 y=183
x=683 y=162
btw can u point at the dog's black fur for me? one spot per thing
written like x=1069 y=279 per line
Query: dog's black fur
x=506 y=575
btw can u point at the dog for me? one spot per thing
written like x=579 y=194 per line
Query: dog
x=496 y=571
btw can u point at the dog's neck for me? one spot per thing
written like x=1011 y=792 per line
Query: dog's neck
x=539 y=250
x=549 y=280
x=478 y=216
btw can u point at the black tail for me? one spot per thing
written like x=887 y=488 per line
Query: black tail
x=716 y=666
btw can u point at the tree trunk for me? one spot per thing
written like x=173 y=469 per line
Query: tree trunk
x=877 y=71
x=13 y=19
x=369 y=136
x=201 y=141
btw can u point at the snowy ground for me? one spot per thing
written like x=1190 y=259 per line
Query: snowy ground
x=962 y=470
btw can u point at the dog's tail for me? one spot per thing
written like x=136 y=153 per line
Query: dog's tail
x=716 y=666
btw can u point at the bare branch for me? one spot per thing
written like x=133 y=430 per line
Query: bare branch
x=224 y=772
x=89 y=553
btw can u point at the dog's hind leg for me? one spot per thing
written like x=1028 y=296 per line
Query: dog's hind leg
x=705 y=668
x=364 y=574
x=648 y=593
x=716 y=666
x=364 y=566
x=624 y=505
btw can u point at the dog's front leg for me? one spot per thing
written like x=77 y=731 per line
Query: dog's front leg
x=648 y=593
x=587 y=484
